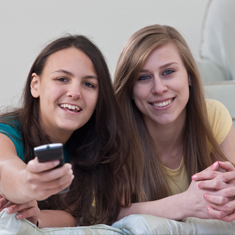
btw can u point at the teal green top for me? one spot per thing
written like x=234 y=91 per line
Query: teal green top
x=15 y=136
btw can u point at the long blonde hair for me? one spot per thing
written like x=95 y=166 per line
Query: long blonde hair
x=146 y=174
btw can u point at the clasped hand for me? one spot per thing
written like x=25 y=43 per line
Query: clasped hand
x=219 y=182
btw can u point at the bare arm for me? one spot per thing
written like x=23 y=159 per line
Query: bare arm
x=56 y=218
x=21 y=183
x=12 y=171
x=228 y=145
x=187 y=204
x=192 y=202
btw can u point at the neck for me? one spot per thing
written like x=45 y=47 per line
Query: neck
x=168 y=142
x=58 y=136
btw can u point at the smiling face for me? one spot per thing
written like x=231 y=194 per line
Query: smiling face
x=68 y=92
x=161 y=90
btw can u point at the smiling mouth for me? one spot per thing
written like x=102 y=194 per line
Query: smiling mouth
x=162 y=104
x=70 y=107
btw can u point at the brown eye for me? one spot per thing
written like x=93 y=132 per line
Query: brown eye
x=88 y=84
x=62 y=79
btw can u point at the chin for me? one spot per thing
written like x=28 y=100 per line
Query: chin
x=165 y=121
x=69 y=128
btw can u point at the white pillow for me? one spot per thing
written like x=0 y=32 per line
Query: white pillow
x=130 y=225
x=218 y=37
x=148 y=224
x=9 y=225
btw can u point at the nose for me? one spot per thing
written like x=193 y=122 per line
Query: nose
x=159 y=86
x=74 y=91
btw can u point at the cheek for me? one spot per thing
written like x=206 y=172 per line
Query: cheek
x=185 y=88
x=140 y=93
x=139 y=98
x=185 y=93
x=50 y=89
x=137 y=91
x=180 y=85
x=92 y=102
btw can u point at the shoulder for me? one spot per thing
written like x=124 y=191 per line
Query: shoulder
x=12 y=130
x=10 y=127
x=219 y=119
x=217 y=111
x=215 y=106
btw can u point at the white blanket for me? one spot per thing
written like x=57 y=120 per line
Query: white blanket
x=130 y=225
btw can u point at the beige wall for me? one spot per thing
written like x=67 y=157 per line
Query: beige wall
x=26 y=26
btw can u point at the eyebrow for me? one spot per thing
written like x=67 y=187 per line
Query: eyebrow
x=71 y=74
x=63 y=71
x=168 y=64
x=161 y=67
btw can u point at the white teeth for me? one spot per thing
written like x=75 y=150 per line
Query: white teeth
x=162 y=104
x=72 y=107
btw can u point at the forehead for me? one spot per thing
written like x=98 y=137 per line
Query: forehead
x=69 y=58
x=164 y=54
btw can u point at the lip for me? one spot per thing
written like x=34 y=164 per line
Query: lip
x=162 y=104
x=71 y=108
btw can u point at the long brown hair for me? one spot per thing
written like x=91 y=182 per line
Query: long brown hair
x=147 y=175
x=98 y=150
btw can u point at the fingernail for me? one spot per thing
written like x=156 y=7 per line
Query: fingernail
x=204 y=195
x=215 y=164
x=9 y=210
x=194 y=177
x=199 y=185
x=208 y=208
x=18 y=216
x=56 y=162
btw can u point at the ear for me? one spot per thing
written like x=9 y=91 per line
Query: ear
x=35 y=85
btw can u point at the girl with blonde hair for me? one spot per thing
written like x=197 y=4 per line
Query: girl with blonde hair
x=175 y=132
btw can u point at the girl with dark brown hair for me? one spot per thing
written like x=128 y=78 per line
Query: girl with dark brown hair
x=68 y=98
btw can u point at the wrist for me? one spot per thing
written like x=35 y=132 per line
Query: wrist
x=27 y=193
x=184 y=205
